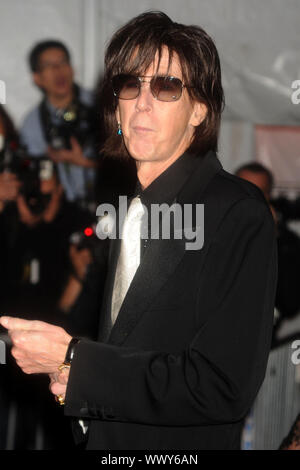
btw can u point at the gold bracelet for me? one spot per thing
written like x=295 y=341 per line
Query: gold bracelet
x=64 y=365
x=59 y=398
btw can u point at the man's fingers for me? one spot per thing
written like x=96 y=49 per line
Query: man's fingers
x=28 y=341
x=55 y=155
x=53 y=378
x=58 y=377
x=18 y=337
x=12 y=323
x=58 y=389
x=74 y=143
x=63 y=377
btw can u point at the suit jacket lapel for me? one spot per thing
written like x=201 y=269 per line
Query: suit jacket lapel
x=159 y=262
x=105 y=324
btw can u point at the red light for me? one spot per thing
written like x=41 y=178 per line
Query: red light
x=88 y=232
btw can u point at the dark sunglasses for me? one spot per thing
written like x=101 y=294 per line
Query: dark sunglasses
x=163 y=88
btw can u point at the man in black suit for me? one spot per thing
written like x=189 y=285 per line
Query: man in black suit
x=185 y=330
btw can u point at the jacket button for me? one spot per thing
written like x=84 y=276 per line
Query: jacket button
x=83 y=411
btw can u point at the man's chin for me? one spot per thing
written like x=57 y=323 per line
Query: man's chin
x=142 y=153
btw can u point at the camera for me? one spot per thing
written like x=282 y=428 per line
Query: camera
x=29 y=171
x=287 y=209
x=87 y=238
x=75 y=123
x=78 y=120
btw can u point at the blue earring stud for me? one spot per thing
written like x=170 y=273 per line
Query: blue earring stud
x=119 y=129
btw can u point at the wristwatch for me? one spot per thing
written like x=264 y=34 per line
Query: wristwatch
x=67 y=364
x=70 y=353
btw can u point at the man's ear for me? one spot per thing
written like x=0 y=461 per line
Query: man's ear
x=199 y=114
x=37 y=79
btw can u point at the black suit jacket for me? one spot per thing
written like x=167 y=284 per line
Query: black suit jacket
x=186 y=357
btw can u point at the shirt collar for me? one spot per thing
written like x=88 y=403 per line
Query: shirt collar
x=168 y=184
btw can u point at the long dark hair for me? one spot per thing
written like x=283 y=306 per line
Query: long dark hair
x=9 y=128
x=147 y=34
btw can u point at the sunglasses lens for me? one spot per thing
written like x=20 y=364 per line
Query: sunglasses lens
x=126 y=87
x=166 y=88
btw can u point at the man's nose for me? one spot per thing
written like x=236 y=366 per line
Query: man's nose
x=145 y=99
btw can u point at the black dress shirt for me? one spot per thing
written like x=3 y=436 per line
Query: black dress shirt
x=165 y=187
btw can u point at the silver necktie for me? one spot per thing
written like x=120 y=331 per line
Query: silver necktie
x=129 y=258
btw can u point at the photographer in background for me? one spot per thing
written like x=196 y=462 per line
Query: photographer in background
x=288 y=242
x=46 y=221
x=36 y=221
x=261 y=177
x=61 y=127
x=9 y=190
x=82 y=295
x=9 y=184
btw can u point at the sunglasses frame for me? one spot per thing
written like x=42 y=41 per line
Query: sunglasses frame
x=140 y=80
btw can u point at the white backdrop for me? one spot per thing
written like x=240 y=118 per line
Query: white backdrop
x=258 y=41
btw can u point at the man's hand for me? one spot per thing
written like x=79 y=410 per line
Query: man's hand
x=80 y=259
x=74 y=156
x=38 y=347
x=9 y=187
x=53 y=207
x=26 y=216
x=59 y=382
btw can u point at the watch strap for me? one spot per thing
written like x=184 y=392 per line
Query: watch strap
x=71 y=350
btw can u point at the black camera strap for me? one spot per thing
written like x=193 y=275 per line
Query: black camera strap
x=78 y=127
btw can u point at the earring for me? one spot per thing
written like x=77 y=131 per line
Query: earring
x=119 y=129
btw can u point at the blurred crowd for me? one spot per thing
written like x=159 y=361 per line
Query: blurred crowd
x=52 y=178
